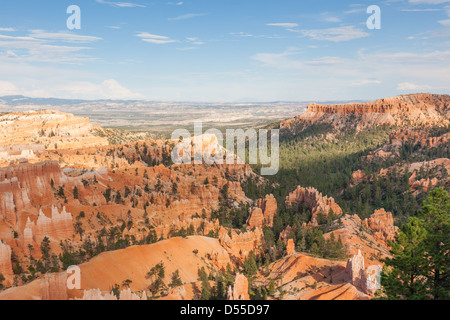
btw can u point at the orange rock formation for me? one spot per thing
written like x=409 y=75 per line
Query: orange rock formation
x=239 y=291
x=263 y=215
x=314 y=200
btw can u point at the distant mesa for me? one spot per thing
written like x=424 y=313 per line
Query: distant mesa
x=415 y=110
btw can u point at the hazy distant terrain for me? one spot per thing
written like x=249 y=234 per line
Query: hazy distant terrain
x=162 y=117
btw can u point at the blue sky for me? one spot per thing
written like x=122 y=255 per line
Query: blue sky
x=224 y=50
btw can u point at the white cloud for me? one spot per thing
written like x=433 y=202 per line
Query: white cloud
x=40 y=50
x=428 y=1
x=445 y=23
x=325 y=61
x=338 y=34
x=63 y=37
x=7 y=29
x=419 y=10
x=153 y=38
x=109 y=89
x=410 y=57
x=113 y=90
x=121 y=4
x=8 y=89
x=279 y=60
x=284 y=25
x=187 y=16
x=366 y=82
x=407 y=86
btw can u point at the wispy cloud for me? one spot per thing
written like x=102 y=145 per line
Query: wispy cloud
x=411 y=87
x=7 y=29
x=428 y=1
x=41 y=46
x=366 y=82
x=410 y=57
x=187 y=16
x=153 y=38
x=338 y=34
x=121 y=4
x=283 y=24
x=63 y=36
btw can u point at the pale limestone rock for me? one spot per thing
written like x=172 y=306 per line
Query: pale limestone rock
x=364 y=280
x=239 y=291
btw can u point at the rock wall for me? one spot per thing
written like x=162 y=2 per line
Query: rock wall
x=53 y=129
x=59 y=226
x=25 y=185
x=201 y=227
x=5 y=259
x=416 y=110
x=240 y=245
x=54 y=286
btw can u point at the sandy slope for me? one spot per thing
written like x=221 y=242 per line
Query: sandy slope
x=133 y=263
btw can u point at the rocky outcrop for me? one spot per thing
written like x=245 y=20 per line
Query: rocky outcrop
x=416 y=110
x=54 y=286
x=5 y=259
x=239 y=291
x=357 y=178
x=28 y=233
x=53 y=129
x=314 y=200
x=97 y=294
x=124 y=295
x=290 y=247
x=59 y=226
x=285 y=234
x=359 y=277
x=221 y=259
x=198 y=225
x=381 y=223
x=240 y=245
x=24 y=186
x=263 y=215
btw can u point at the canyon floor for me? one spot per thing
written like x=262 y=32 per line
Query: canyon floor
x=138 y=227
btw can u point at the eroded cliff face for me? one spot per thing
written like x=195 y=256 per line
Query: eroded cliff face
x=5 y=259
x=23 y=186
x=369 y=236
x=59 y=226
x=53 y=129
x=240 y=245
x=54 y=286
x=381 y=223
x=417 y=110
x=263 y=215
x=314 y=201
